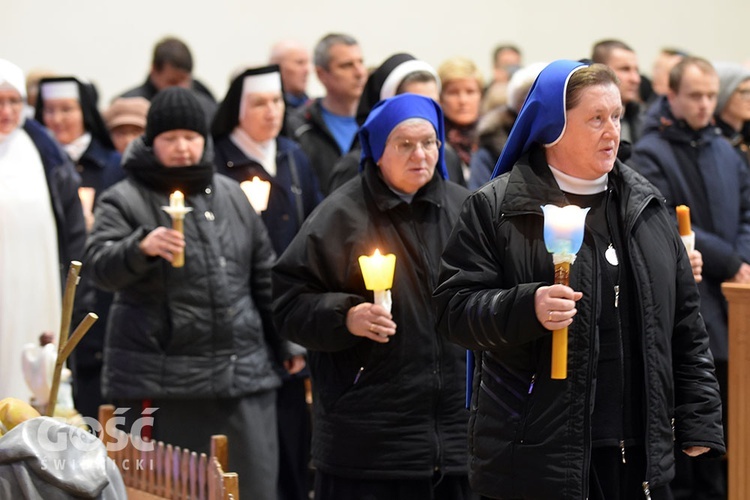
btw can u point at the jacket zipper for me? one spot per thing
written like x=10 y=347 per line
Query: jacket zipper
x=589 y=378
x=438 y=345
x=629 y=229
x=620 y=342
x=646 y=490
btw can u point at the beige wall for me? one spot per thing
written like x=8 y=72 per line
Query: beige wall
x=110 y=42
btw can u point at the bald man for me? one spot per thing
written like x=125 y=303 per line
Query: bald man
x=294 y=60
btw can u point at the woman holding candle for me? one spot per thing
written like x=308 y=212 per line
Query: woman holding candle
x=197 y=341
x=246 y=130
x=388 y=393
x=638 y=360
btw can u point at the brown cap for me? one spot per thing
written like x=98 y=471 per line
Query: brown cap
x=127 y=111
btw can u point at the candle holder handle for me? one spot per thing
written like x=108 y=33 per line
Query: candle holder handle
x=383 y=298
x=178 y=224
x=559 y=369
x=689 y=241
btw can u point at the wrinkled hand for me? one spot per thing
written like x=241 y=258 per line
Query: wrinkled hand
x=696 y=263
x=163 y=242
x=743 y=275
x=371 y=321
x=694 y=451
x=295 y=364
x=555 y=306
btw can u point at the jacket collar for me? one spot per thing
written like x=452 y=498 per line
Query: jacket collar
x=661 y=119
x=433 y=192
x=531 y=185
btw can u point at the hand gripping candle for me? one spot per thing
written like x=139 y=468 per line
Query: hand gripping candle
x=563 y=236
x=177 y=211
x=378 y=271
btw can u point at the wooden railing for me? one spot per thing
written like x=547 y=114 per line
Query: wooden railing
x=738 y=411
x=160 y=471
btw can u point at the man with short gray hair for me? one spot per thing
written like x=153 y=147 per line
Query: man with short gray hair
x=326 y=127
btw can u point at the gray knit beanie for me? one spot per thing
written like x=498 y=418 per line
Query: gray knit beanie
x=730 y=77
x=174 y=108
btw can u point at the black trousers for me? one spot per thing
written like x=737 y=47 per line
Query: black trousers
x=330 y=487
x=294 y=426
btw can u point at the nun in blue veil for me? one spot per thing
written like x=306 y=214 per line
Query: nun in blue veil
x=387 y=391
x=638 y=359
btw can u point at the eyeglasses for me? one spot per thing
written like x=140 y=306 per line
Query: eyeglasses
x=406 y=147
x=11 y=103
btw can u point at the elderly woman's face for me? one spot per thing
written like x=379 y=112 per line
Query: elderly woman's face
x=460 y=99
x=11 y=106
x=588 y=147
x=262 y=115
x=179 y=148
x=410 y=155
x=64 y=118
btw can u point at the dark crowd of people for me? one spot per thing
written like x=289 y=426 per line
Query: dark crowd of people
x=251 y=317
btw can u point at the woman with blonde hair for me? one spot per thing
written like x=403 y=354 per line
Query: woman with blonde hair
x=460 y=97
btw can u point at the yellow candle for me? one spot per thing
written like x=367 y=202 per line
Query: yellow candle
x=177 y=200
x=257 y=192
x=683 y=220
x=378 y=270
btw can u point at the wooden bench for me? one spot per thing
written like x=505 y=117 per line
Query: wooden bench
x=161 y=471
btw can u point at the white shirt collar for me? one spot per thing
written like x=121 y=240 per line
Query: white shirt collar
x=264 y=153
x=575 y=185
x=77 y=147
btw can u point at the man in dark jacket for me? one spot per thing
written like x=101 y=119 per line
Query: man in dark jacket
x=685 y=156
x=172 y=66
x=389 y=419
x=326 y=127
x=195 y=342
x=640 y=376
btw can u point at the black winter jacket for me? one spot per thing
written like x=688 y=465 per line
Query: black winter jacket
x=529 y=435
x=381 y=411
x=307 y=126
x=200 y=331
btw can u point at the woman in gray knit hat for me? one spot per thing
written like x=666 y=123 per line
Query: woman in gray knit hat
x=733 y=106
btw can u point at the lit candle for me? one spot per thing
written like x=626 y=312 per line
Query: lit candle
x=257 y=192
x=683 y=224
x=378 y=270
x=177 y=211
x=563 y=236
